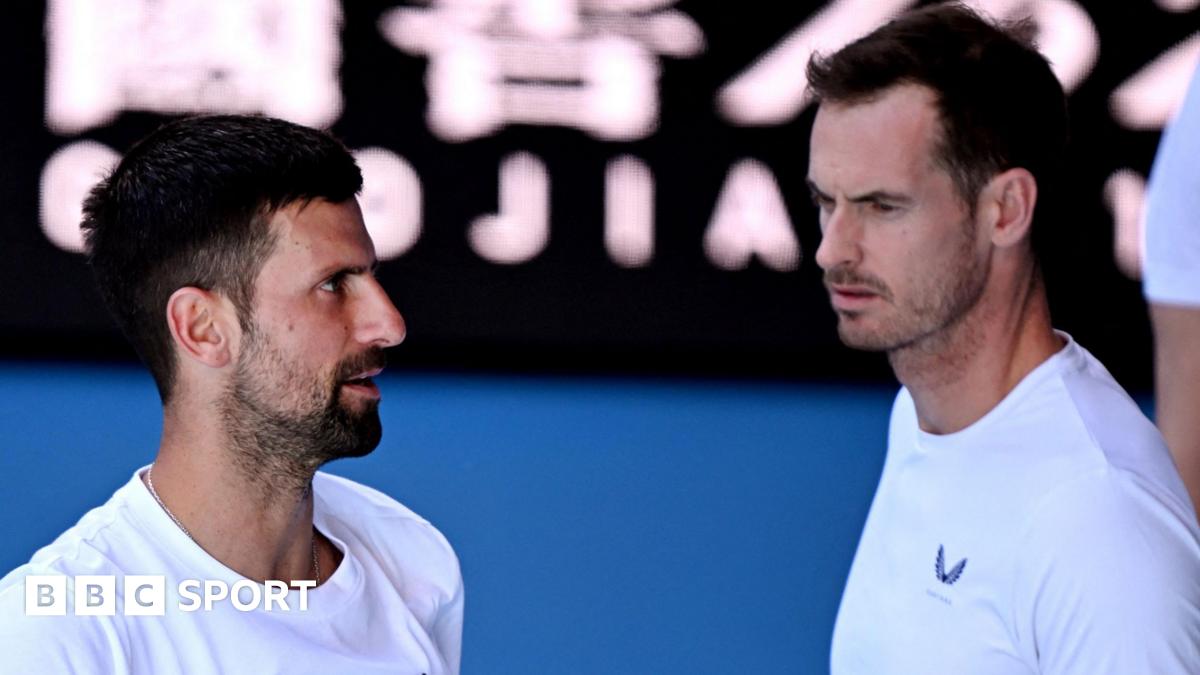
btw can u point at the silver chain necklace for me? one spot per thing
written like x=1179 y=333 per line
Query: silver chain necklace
x=154 y=493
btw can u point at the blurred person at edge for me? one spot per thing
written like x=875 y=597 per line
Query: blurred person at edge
x=232 y=252
x=1171 y=282
x=1029 y=518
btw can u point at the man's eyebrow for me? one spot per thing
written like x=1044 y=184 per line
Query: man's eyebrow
x=872 y=196
x=345 y=270
x=875 y=196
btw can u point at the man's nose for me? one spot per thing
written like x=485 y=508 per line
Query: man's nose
x=380 y=323
x=840 y=240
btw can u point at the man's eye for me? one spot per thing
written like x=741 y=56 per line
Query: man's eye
x=332 y=284
x=882 y=207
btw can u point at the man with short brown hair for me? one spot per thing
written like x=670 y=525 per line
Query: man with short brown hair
x=1029 y=518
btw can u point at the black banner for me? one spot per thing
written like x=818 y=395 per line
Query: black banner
x=593 y=185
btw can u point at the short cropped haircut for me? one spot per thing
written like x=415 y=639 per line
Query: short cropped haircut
x=1000 y=105
x=191 y=205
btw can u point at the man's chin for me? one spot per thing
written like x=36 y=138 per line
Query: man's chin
x=360 y=450
x=856 y=335
x=367 y=433
x=351 y=429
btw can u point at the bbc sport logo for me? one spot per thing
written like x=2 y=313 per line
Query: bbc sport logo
x=146 y=595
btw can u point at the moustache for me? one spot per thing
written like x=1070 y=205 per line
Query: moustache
x=370 y=359
x=845 y=276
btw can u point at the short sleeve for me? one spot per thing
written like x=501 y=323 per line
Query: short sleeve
x=1171 y=265
x=448 y=630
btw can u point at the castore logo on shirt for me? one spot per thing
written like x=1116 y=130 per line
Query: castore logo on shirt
x=955 y=572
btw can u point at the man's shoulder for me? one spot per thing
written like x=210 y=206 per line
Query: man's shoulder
x=54 y=644
x=83 y=548
x=400 y=542
x=353 y=508
x=342 y=494
x=1070 y=417
x=1107 y=480
x=59 y=643
x=1109 y=549
x=1102 y=404
x=1108 y=424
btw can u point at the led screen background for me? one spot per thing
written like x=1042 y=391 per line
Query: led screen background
x=613 y=206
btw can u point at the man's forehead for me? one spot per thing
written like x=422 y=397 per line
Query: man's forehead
x=323 y=232
x=319 y=217
x=889 y=138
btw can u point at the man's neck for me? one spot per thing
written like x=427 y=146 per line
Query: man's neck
x=958 y=375
x=258 y=528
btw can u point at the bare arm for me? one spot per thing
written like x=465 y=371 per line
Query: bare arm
x=1177 y=386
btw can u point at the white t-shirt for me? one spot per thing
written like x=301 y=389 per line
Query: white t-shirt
x=1051 y=536
x=394 y=604
x=1171 y=260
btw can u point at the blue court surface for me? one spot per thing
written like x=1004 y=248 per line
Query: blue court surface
x=605 y=525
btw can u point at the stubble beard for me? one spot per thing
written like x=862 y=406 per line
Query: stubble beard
x=927 y=322
x=285 y=423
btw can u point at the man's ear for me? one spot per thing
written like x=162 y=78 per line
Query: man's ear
x=1006 y=205
x=203 y=326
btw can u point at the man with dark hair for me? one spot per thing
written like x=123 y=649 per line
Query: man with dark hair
x=232 y=252
x=1029 y=518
